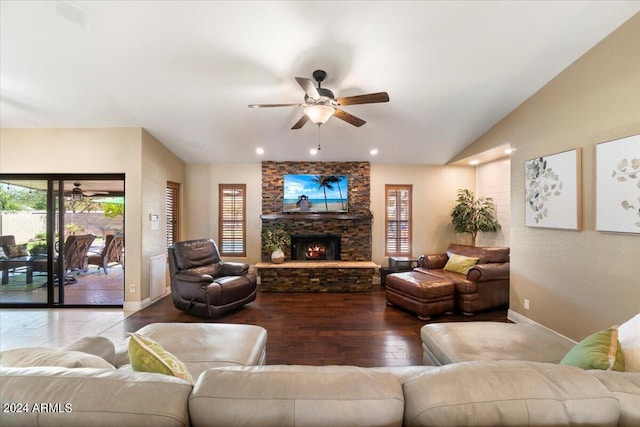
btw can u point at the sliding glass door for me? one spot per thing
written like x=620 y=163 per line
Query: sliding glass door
x=62 y=240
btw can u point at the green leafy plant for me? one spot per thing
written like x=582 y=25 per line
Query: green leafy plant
x=112 y=210
x=38 y=248
x=275 y=237
x=73 y=228
x=471 y=215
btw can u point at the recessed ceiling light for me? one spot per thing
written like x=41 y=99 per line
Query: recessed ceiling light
x=259 y=151
x=313 y=151
x=474 y=162
x=509 y=150
x=373 y=151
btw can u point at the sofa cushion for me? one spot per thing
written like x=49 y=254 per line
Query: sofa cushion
x=485 y=255
x=445 y=343
x=629 y=337
x=507 y=393
x=601 y=350
x=40 y=356
x=625 y=386
x=280 y=396
x=96 y=398
x=99 y=346
x=146 y=355
x=459 y=263
x=207 y=345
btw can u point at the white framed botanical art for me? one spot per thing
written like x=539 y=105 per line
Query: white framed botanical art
x=553 y=191
x=618 y=185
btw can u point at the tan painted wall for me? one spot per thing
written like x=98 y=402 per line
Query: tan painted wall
x=117 y=150
x=434 y=191
x=577 y=282
x=159 y=165
x=201 y=199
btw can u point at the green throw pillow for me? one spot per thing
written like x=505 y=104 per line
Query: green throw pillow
x=460 y=263
x=601 y=350
x=146 y=355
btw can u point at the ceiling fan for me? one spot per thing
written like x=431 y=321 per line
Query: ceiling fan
x=321 y=103
x=77 y=193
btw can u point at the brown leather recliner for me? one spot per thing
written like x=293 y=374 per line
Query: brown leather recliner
x=203 y=285
x=486 y=284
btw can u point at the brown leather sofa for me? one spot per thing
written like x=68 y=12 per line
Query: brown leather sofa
x=203 y=285
x=486 y=284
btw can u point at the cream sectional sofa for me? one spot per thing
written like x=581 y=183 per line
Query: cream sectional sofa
x=232 y=387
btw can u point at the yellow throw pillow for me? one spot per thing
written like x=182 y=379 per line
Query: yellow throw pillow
x=146 y=355
x=460 y=263
x=601 y=350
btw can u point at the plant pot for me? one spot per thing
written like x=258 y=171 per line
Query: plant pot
x=277 y=256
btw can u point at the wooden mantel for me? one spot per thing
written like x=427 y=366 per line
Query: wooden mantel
x=314 y=216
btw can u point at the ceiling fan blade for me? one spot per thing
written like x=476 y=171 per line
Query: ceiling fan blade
x=304 y=119
x=369 y=98
x=273 y=105
x=308 y=87
x=349 y=118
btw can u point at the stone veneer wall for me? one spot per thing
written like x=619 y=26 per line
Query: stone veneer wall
x=354 y=227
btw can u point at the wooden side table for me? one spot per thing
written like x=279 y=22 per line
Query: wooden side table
x=402 y=263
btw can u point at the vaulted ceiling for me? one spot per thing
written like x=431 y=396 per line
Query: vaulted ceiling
x=187 y=70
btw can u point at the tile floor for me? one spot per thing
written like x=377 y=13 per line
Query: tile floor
x=56 y=328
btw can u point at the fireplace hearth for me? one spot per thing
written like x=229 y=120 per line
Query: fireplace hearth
x=315 y=247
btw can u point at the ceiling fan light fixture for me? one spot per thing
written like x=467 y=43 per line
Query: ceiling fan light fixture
x=76 y=195
x=319 y=114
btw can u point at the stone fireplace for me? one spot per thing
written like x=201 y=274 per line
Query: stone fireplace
x=315 y=247
x=330 y=251
x=353 y=227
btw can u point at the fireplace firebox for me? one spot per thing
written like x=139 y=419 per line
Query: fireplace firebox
x=315 y=247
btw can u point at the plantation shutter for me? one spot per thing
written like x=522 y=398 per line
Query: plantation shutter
x=398 y=220
x=232 y=219
x=173 y=213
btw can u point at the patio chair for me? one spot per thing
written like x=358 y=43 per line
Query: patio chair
x=111 y=253
x=74 y=256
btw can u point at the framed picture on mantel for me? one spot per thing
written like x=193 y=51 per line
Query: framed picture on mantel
x=618 y=185
x=553 y=191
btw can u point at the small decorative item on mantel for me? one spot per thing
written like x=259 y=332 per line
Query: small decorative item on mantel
x=274 y=240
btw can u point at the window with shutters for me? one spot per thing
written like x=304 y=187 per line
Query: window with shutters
x=398 y=220
x=173 y=212
x=232 y=222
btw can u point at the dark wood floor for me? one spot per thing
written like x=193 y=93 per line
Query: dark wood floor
x=324 y=328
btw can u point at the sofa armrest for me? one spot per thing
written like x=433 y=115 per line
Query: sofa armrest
x=488 y=272
x=433 y=262
x=234 y=269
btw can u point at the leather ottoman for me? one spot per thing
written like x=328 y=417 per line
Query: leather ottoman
x=422 y=293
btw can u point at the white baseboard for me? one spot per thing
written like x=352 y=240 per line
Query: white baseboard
x=519 y=318
x=134 y=306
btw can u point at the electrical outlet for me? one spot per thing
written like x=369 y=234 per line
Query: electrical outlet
x=132 y=288
x=526 y=304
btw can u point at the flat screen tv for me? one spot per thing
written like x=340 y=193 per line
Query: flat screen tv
x=316 y=193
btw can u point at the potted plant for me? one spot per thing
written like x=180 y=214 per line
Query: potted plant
x=38 y=248
x=274 y=240
x=471 y=215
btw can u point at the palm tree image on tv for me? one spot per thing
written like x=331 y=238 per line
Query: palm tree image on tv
x=315 y=193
